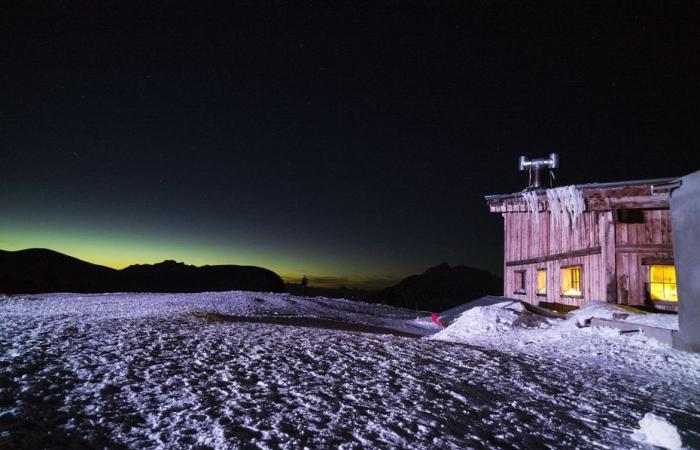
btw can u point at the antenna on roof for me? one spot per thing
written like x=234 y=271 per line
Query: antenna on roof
x=533 y=166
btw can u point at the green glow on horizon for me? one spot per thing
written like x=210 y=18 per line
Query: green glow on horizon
x=117 y=250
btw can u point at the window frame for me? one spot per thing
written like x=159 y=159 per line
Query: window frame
x=580 y=280
x=520 y=275
x=537 y=287
x=663 y=284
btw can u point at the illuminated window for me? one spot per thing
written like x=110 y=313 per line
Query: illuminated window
x=571 y=281
x=520 y=282
x=662 y=283
x=541 y=281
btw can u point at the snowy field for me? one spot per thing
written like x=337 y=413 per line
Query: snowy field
x=143 y=371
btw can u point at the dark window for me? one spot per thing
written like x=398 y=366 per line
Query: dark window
x=630 y=216
x=520 y=276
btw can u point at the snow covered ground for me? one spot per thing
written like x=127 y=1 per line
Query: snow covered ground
x=141 y=371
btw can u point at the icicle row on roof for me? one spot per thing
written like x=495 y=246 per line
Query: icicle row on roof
x=566 y=205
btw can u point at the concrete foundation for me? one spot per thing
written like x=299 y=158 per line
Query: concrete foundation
x=685 y=223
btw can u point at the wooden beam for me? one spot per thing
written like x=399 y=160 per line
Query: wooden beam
x=596 y=200
x=644 y=248
x=635 y=202
x=584 y=252
x=653 y=261
x=640 y=202
x=606 y=234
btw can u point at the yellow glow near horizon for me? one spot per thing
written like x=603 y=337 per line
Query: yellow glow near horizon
x=119 y=251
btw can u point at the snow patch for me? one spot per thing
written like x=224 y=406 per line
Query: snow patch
x=499 y=317
x=657 y=431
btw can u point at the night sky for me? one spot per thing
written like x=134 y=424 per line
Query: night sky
x=349 y=141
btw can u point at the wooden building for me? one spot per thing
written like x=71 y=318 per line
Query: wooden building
x=598 y=241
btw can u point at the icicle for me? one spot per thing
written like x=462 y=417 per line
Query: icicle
x=554 y=209
x=566 y=205
x=563 y=194
x=578 y=204
x=532 y=201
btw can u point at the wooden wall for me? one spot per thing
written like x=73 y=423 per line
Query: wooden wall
x=526 y=240
x=610 y=252
x=590 y=280
x=635 y=242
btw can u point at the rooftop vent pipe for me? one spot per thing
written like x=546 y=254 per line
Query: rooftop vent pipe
x=535 y=165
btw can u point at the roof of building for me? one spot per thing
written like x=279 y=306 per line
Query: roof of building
x=612 y=184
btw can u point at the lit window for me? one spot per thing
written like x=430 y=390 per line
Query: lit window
x=662 y=283
x=571 y=281
x=520 y=281
x=541 y=281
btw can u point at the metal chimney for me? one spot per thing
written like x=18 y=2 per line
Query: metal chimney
x=535 y=165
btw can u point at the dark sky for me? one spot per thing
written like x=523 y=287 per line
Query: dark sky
x=350 y=141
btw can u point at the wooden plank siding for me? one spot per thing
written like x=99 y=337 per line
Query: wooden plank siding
x=526 y=239
x=609 y=246
x=531 y=246
x=637 y=242
x=590 y=285
x=608 y=267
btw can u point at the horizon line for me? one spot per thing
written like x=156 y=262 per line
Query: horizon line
x=321 y=281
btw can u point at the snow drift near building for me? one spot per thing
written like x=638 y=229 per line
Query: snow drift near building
x=491 y=317
x=500 y=316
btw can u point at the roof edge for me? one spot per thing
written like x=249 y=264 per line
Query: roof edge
x=591 y=186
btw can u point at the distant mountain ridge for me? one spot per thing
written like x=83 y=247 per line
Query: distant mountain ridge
x=441 y=287
x=42 y=270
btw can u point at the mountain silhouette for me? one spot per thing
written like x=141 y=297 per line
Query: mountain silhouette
x=440 y=288
x=41 y=270
x=171 y=276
